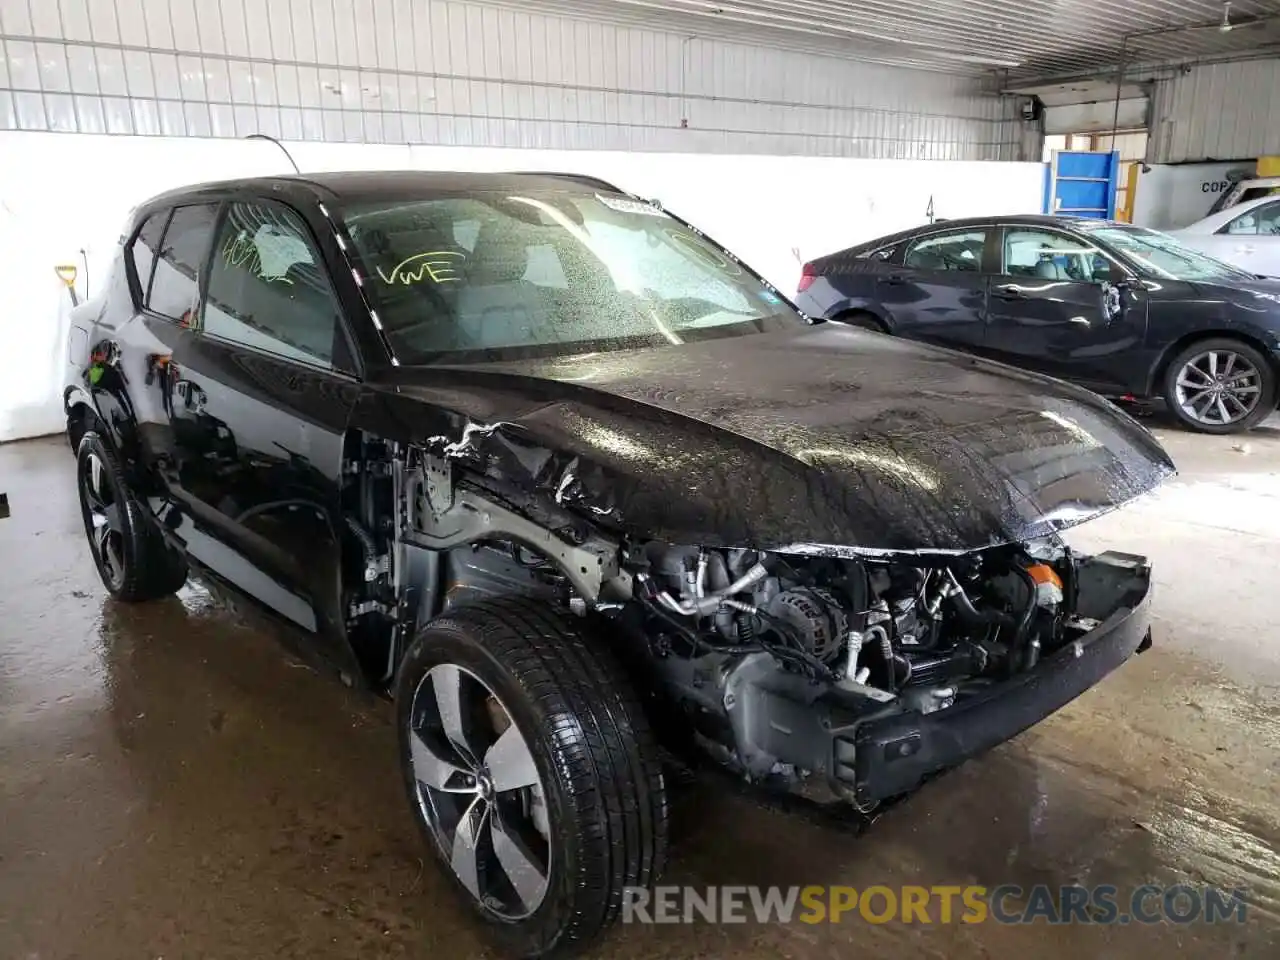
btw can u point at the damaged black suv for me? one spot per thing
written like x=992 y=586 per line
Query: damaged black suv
x=575 y=486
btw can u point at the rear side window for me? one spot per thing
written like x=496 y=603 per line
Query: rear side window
x=176 y=283
x=268 y=288
x=144 y=249
x=948 y=251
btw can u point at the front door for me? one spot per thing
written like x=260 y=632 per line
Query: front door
x=262 y=391
x=1055 y=307
x=937 y=292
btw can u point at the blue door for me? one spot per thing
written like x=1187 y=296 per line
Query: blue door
x=1082 y=184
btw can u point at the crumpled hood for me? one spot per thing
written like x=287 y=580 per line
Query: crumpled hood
x=816 y=440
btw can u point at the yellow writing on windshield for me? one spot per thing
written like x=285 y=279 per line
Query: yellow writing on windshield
x=440 y=266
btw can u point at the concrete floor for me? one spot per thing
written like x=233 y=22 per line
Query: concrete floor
x=173 y=783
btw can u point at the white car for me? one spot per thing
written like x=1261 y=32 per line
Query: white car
x=1246 y=235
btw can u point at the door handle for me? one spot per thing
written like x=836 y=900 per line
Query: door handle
x=1010 y=292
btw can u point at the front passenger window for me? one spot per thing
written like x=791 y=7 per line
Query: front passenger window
x=948 y=251
x=268 y=288
x=1049 y=255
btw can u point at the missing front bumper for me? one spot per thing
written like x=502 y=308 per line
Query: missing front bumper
x=890 y=755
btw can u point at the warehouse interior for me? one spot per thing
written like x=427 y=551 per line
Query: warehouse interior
x=179 y=779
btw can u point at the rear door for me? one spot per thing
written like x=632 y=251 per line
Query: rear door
x=934 y=288
x=263 y=388
x=1054 y=307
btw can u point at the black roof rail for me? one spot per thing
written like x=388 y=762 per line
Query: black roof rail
x=576 y=177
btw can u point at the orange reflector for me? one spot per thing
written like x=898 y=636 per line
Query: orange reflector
x=1042 y=573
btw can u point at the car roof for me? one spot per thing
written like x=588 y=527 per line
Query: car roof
x=364 y=186
x=1061 y=221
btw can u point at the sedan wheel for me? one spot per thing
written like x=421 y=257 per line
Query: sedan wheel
x=1220 y=386
x=479 y=791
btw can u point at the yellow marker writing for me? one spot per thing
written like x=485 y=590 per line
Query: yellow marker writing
x=439 y=265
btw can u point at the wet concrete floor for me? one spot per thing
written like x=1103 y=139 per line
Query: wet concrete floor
x=175 y=783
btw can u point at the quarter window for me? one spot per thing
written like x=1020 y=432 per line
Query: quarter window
x=144 y=249
x=1052 y=256
x=175 y=286
x=268 y=288
x=1260 y=221
x=948 y=251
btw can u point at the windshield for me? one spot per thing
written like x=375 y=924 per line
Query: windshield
x=497 y=276
x=1158 y=256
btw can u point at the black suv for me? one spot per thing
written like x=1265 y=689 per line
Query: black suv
x=575 y=486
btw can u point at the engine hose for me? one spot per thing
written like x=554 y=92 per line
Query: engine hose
x=1032 y=653
x=363 y=535
x=967 y=611
x=691 y=635
x=1070 y=585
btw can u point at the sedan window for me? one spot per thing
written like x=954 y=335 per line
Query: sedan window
x=1052 y=256
x=268 y=288
x=948 y=251
x=1260 y=221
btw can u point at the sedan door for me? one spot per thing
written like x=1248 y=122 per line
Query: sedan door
x=262 y=392
x=937 y=291
x=1062 y=306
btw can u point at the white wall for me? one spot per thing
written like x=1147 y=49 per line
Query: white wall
x=468 y=73
x=1170 y=196
x=61 y=193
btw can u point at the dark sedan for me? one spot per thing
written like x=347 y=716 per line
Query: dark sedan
x=1122 y=310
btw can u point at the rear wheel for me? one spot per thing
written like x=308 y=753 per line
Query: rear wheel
x=132 y=557
x=531 y=771
x=863 y=319
x=1220 y=385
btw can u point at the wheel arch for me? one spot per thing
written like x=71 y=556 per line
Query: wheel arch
x=82 y=413
x=849 y=312
x=1155 y=378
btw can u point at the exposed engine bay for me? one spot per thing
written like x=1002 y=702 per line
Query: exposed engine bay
x=886 y=627
x=803 y=670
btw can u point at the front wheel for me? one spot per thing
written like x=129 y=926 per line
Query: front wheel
x=531 y=771
x=1220 y=386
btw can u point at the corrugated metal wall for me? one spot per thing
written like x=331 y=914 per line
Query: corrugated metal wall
x=1221 y=111
x=451 y=72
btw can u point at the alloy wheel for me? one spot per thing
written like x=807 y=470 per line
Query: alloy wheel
x=1218 y=387
x=102 y=520
x=479 y=791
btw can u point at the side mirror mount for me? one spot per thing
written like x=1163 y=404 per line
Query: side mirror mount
x=1112 y=298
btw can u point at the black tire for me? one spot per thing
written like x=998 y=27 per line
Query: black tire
x=863 y=319
x=132 y=557
x=1263 y=385
x=600 y=779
